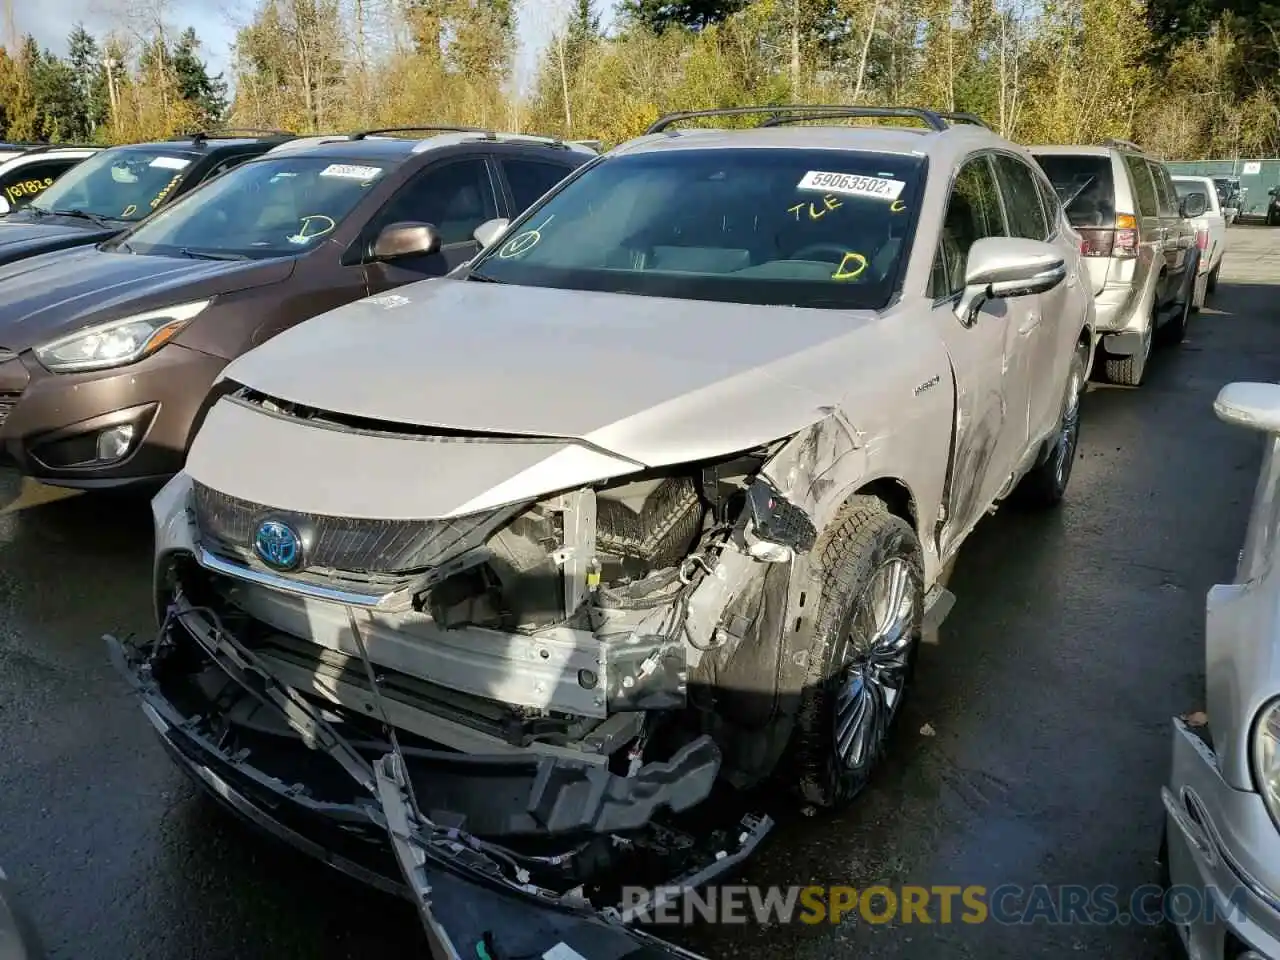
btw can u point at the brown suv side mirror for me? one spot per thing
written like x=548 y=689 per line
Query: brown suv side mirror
x=405 y=239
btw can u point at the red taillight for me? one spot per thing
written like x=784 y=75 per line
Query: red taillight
x=1202 y=238
x=1106 y=242
x=1095 y=242
x=1126 y=235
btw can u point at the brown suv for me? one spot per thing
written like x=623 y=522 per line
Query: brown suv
x=108 y=352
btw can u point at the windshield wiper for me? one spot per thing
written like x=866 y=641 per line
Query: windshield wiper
x=207 y=255
x=83 y=215
x=483 y=278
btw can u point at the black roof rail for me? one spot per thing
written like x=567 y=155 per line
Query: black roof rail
x=1125 y=144
x=265 y=133
x=363 y=134
x=819 y=111
x=972 y=118
x=46 y=147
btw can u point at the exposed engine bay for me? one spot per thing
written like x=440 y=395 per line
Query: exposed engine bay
x=545 y=681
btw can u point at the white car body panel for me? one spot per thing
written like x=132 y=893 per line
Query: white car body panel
x=1220 y=832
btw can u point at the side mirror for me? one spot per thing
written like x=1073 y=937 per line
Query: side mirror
x=406 y=239
x=490 y=231
x=1252 y=405
x=1193 y=205
x=1003 y=267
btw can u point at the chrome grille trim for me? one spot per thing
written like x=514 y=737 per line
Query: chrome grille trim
x=373 y=548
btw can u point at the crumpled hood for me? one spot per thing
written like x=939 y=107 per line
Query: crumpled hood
x=46 y=296
x=654 y=380
x=21 y=238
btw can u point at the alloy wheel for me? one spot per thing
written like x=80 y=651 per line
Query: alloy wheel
x=876 y=663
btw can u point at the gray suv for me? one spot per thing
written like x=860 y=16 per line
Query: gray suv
x=1139 y=244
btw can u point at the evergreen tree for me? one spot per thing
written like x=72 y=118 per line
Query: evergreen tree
x=208 y=94
x=60 y=108
x=660 y=15
x=85 y=58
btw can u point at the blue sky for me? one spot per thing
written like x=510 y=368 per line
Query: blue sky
x=50 y=21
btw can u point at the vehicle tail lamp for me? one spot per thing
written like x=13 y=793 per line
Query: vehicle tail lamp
x=1266 y=757
x=1120 y=241
x=1202 y=238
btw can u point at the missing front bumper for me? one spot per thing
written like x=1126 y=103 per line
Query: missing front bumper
x=443 y=871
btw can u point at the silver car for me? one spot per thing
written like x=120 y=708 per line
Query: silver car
x=1139 y=244
x=1223 y=797
x=651 y=497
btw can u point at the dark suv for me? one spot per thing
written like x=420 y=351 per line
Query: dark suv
x=109 y=350
x=113 y=189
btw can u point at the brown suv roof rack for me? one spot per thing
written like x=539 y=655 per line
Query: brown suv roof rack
x=817 y=112
x=1122 y=144
x=201 y=136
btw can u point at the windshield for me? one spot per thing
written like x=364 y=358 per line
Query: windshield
x=1083 y=183
x=802 y=227
x=120 y=184
x=275 y=207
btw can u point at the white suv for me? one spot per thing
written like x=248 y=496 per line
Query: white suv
x=24 y=176
x=651 y=497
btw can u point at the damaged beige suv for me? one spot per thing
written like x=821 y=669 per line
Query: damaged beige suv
x=648 y=500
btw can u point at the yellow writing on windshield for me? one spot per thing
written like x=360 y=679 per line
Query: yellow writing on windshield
x=324 y=225
x=27 y=188
x=130 y=210
x=829 y=203
x=850 y=267
x=897 y=206
x=168 y=187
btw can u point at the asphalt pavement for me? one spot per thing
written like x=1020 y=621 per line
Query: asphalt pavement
x=1031 y=751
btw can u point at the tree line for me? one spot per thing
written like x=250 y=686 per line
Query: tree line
x=108 y=91
x=1186 y=78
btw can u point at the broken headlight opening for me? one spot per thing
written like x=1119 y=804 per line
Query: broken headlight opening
x=509 y=699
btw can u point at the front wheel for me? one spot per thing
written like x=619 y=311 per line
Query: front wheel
x=868 y=626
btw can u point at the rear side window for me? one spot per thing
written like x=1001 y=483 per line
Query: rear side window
x=226 y=165
x=1022 y=201
x=1051 y=204
x=1084 y=186
x=1144 y=188
x=1185 y=188
x=1166 y=197
x=530 y=179
x=973 y=212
